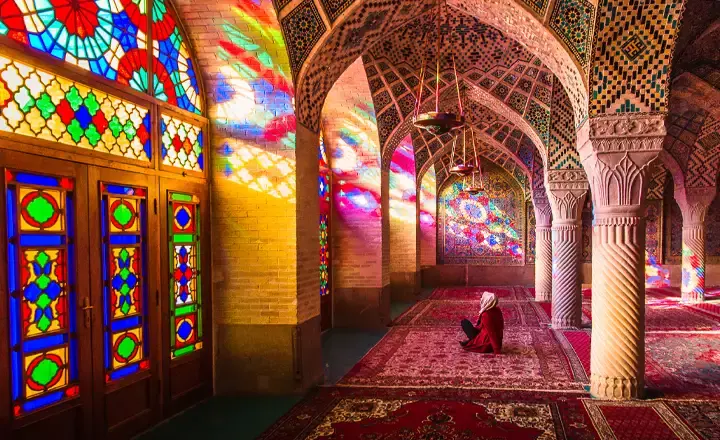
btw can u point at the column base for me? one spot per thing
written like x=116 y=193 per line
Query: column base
x=616 y=388
x=692 y=297
x=560 y=323
x=543 y=296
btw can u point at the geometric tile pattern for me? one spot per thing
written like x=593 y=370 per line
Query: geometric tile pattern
x=633 y=55
x=538 y=6
x=656 y=186
x=303 y=28
x=562 y=150
x=334 y=8
x=572 y=20
x=702 y=168
x=683 y=130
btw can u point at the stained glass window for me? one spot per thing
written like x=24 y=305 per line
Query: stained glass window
x=182 y=144
x=324 y=194
x=482 y=228
x=186 y=300
x=41 y=285
x=42 y=105
x=125 y=326
x=105 y=37
x=174 y=77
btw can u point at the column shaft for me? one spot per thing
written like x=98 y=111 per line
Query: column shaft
x=693 y=263
x=543 y=263
x=618 y=304
x=566 y=286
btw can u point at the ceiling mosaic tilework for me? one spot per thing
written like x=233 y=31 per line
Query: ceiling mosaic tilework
x=633 y=54
x=562 y=150
x=703 y=164
x=303 y=28
x=656 y=186
x=334 y=8
x=572 y=20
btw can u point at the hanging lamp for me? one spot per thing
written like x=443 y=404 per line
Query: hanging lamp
x=461 y=167
x=437 y=122
x=475 y=187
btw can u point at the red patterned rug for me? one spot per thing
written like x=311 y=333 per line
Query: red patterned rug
x=474 y=293
x=433 y=414
x=702 y=417
x=577 y=344
x=638 y=421
x=683 y=365
x=432 y=357
x=450 y=313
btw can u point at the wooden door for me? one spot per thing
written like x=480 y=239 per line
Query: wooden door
x=124 y=264
x=185 y=294
x=46 y=312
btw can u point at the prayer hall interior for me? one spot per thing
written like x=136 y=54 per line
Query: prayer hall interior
x=268 y=218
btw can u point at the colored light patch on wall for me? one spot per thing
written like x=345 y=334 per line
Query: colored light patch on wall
x=185 y=285
x=402 y=183
x=182 y=144
x=40 y=280
x=42 y=105
x=482 y=228
x=428 y=199
x=125 y=317
x=106 y=38
x=693 y=273
x=254 y=89
x=259 y=170
x=324 y=224
x=174 y=78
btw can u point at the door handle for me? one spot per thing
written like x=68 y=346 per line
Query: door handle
x=87 y=309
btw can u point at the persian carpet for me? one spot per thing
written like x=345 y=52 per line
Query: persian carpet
x=576 y=344
x=409 y=414
x=683 y=365
x=475 y=293
x=432 y=357
x=702 y=417
x=637 y=420
x=450 y=313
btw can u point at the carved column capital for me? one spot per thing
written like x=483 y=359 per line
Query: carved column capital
x=543 y=212
x=617 y=152
x=694 y=204
x=566 y=192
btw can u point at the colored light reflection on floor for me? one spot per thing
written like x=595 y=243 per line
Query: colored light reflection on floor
x=693 y=274
x=402 y=183
x=655 y=274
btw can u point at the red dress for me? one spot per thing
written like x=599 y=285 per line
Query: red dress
x=489 y=340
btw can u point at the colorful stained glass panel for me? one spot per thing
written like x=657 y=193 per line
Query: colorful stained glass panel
x=45 y=106
x=185 y=285
x=324 y=203
x=40 y=283
x=174 y=76
x=182 y=144
x=44 y=291
x=125 y=319
x=108 y=38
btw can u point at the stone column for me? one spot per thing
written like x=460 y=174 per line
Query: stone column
x=617 y=152
x=694 y=204
x=543 y=246
x=566 y=190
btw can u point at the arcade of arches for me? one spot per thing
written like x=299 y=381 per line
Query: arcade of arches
x=230 y=198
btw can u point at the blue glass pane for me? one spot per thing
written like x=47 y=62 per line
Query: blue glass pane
x=125 y=324
x=45 y=400
x=123 y=372
x=34 y=179
x=124 y=239
x=41 y=240
x=43 y=343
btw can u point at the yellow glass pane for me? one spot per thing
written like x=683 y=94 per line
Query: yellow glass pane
x=41 y=210
x=46 y=372
x=127 y=348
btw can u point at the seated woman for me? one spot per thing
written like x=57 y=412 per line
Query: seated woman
x=487 y=335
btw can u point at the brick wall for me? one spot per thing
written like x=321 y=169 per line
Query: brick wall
x=351 y=139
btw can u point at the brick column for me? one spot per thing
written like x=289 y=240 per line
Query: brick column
x=566 y=193
x=694 y=204
x=543 y=246
x=617 y=152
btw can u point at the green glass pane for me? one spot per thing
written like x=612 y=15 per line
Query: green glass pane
x=40 y=209
x=44 y=372
x=184 y=310
x=184 y=350
x=183 y=238
x=126 y=347
x=122 y=214
x=181 y=197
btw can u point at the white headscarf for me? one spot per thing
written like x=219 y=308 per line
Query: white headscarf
x=487 y=301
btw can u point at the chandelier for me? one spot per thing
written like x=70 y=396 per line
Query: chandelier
x=462 y=167
x=475 y=187
x=437 y=122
